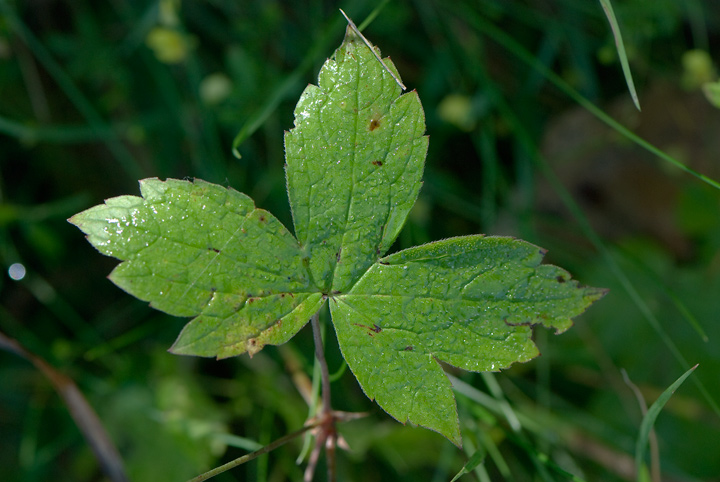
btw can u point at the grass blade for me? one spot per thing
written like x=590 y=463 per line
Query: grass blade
x=73 y=93
x=287 y=86
x=57 y=133
x=649 y=420
x=475 y=460
x=499 y=36
x=610 y=14
x=80 y=410
x=680 y=305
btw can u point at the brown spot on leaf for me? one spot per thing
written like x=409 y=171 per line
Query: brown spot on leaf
x=560 y=279
x=276 y=325
x=371 y=329
x=214 y=249
x=262 y=218
x=377 y=163
x=374 y=124
x=409 y=348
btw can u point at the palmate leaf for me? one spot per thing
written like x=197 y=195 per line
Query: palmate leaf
x=354 y=165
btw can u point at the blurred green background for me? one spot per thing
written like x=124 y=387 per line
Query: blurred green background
x=96 y=95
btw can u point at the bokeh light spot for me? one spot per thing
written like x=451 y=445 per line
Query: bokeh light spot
x=17 y=271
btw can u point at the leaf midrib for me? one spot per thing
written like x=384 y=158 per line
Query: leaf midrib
x=351 y=199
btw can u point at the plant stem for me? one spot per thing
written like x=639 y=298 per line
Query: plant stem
x=326 y=435
x=248 y=457
x=320 y=354
x=324 y=422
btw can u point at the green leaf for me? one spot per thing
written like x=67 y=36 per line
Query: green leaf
x=354 y=165
x=198 y=249
x=469 y=302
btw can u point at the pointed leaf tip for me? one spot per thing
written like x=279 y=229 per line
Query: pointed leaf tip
x=354 y=161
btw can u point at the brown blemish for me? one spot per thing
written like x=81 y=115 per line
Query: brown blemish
x=374 y=124
x=409 y=348
x=214 y=249
x=377 y=163
x=372 y=329
x=560 y=279
x=262 y=218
